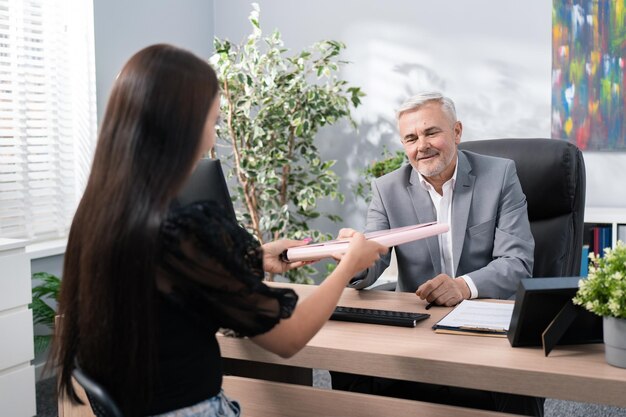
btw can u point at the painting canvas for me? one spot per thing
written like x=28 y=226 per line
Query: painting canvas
x=588 y=77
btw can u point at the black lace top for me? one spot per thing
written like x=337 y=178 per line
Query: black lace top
x=210 y=277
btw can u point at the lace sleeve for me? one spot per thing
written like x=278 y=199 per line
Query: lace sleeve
x=214 y=268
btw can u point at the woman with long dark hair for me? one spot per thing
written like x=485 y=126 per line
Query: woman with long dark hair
x=146 y=283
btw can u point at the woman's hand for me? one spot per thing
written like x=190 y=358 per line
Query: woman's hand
x=271 y=255
x=362 y=253
x=344 y=234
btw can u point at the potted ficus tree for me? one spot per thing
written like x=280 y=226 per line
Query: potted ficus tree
x=604 y=293
x=272 y=106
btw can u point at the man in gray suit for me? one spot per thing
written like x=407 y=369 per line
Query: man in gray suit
x=488 y=249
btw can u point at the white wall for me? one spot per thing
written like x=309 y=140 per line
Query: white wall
x=492 y=57
x=123 y=27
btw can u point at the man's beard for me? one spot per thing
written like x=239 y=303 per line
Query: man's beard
x=430 y=170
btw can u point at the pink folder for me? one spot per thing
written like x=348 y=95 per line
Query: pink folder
x=389 y=238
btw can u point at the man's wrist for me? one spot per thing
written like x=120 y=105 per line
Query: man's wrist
x=472 y=286
x=463 y=287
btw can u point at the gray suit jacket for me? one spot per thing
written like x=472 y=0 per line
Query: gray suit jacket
x=491 y=239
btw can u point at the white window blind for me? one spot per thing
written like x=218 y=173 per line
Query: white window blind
x=47 y=114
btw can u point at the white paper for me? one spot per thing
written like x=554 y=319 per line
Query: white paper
x=479 y=315
x=389 y=238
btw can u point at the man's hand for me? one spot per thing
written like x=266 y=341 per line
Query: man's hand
x=444 y=290
x=344 y=234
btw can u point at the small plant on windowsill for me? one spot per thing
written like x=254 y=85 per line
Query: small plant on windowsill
x=43 y=313
x=604 y=293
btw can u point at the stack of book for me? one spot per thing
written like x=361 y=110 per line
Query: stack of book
x=600 y=239
x=596 y=238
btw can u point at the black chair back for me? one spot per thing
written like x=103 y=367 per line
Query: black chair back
x=102 y=404
x=552 y=175
x=207 y=182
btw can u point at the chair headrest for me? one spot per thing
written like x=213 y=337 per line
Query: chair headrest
x=550 y=172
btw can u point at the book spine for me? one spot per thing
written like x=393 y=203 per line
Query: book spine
x=584 y=261
x=604 y=240
x=608 y=237
x=621 y=232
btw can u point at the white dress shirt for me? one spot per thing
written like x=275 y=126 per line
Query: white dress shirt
x=443 y=207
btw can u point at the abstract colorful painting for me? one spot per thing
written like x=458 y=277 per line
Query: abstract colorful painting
x=588 y=74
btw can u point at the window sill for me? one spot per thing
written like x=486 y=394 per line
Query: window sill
x=47 y=248
x=10 y=244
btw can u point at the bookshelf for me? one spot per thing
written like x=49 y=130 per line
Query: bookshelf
x=608 y=216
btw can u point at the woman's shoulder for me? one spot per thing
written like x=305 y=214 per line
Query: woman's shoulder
x=199 y=210
x=197 y=216
x=206 y=227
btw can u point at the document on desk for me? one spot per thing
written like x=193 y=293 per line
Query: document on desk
x=482 y=318
x=389 y=238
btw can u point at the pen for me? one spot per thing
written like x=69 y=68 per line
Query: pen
x=429 y=305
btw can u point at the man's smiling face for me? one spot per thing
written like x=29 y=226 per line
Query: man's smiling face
x=430 y=138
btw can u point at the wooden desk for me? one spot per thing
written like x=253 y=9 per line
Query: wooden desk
x=577 y=373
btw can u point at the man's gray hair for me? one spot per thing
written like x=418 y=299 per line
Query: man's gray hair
x=418 y=100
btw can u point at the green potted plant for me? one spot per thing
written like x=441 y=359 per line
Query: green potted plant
x=273 y=104
x=47 y=290
x=604 y=293
x=377 y=168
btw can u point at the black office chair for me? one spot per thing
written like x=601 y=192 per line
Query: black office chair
x=102 y=404
x=552 y=175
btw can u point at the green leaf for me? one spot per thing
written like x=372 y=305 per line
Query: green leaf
x=334 y=218
x=41 y=343
x=328 y=164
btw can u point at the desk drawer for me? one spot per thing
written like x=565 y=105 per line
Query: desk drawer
x=17 y=393
x=17 y=338
x=15 y=286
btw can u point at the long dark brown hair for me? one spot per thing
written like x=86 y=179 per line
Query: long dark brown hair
x=149 y=140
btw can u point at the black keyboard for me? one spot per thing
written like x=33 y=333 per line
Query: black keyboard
x=368 y=315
